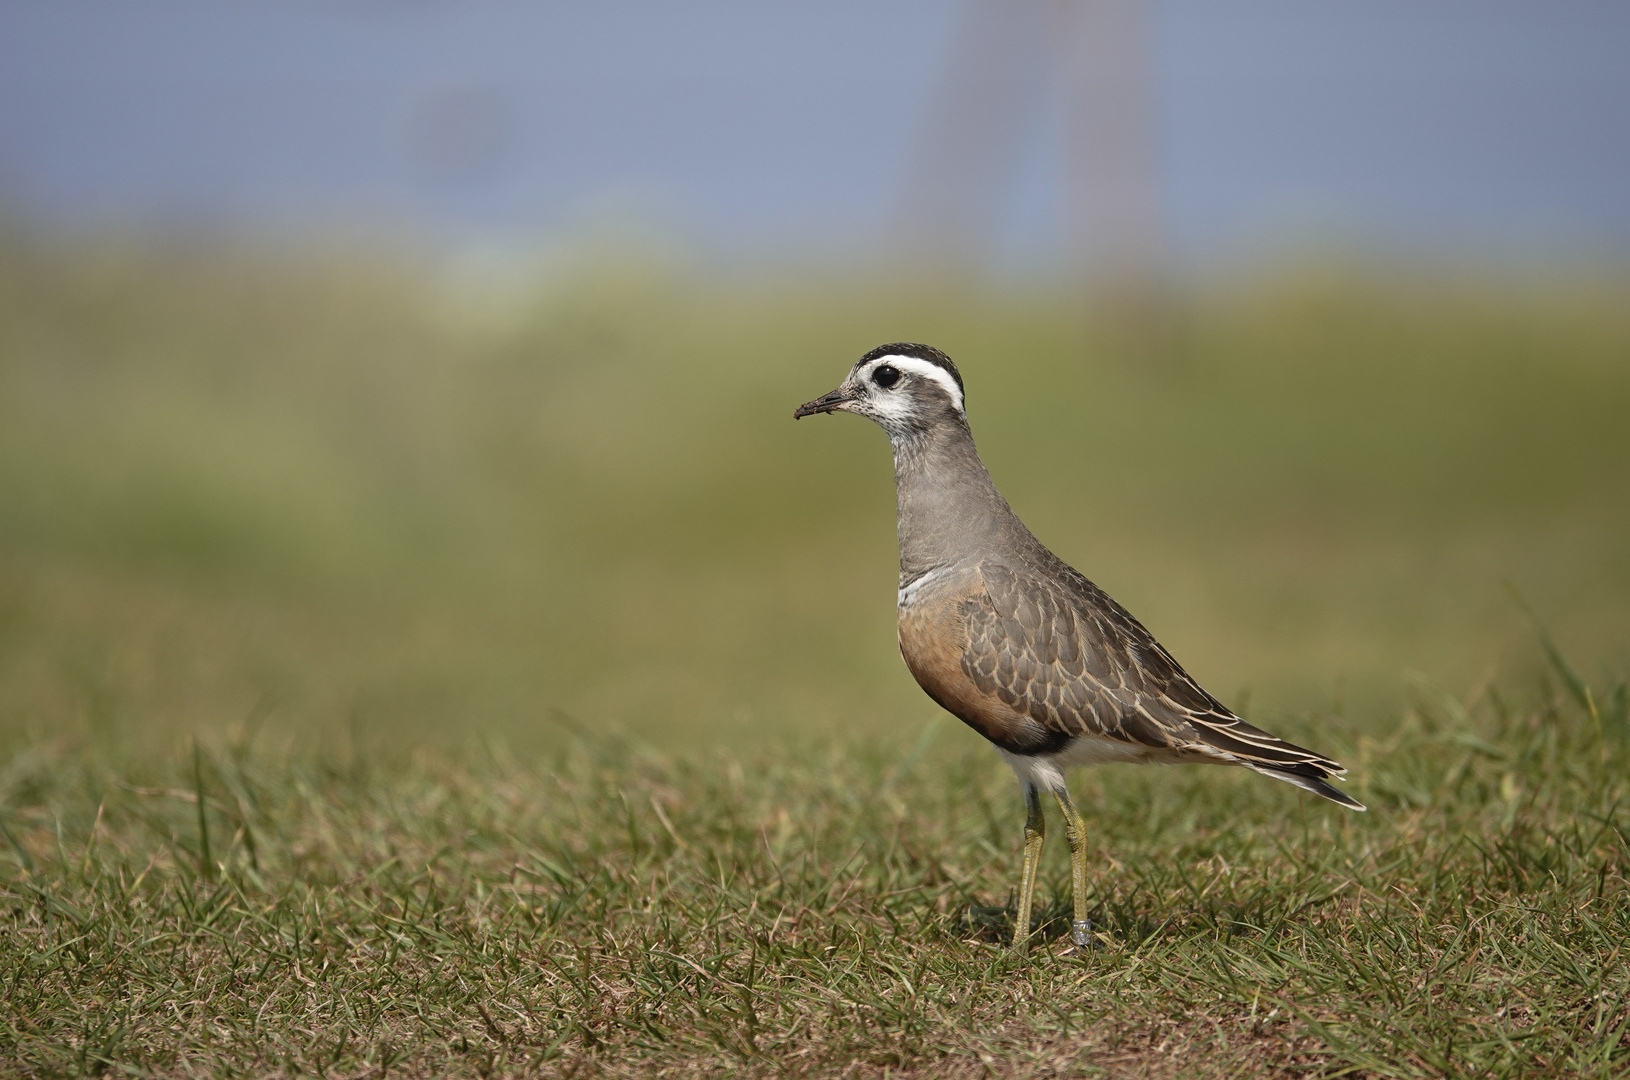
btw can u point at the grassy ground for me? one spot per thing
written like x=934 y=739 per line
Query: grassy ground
x=531 y=675
x=822 y=911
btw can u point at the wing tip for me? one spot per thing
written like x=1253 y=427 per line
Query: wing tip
x=1315 y=785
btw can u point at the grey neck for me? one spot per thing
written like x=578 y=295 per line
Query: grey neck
x=949 y=510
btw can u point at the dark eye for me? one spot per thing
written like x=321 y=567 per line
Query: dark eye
x=886 y=376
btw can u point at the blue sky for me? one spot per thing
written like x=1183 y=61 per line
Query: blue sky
x=1485 y=126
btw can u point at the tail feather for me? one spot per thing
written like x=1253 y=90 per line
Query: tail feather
x=1308 y=777
x=1248 y=745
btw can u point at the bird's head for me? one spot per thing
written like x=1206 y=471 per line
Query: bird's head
x=908 y=389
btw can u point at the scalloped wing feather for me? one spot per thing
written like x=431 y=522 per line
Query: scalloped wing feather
x=1066 y=655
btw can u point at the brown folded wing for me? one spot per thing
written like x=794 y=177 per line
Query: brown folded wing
x=1058 y=650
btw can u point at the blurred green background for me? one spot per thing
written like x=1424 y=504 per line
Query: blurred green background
x=321 y=491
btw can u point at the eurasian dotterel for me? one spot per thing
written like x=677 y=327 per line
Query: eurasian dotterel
x=1019 y=645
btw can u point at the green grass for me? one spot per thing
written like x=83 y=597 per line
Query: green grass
x=404 y=674
x=821 y=910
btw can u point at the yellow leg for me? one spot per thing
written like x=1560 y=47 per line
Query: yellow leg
x=1076 y=830
x=1035 y=831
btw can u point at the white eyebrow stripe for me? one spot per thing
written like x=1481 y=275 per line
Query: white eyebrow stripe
x=925 y=370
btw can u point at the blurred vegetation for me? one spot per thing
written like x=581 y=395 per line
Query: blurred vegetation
x=335 y=492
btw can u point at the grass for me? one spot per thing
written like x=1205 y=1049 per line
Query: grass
x=831 y=910
x=400 y=675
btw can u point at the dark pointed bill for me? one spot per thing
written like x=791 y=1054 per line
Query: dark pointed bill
x=825 y=403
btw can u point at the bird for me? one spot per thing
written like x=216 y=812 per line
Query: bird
x=1018 y=644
